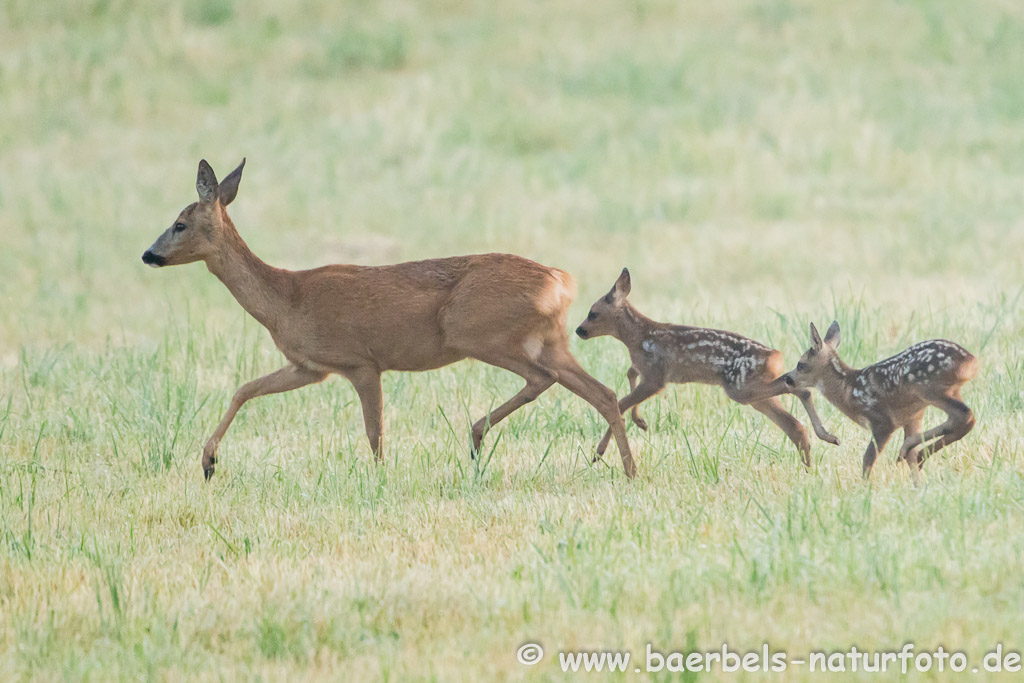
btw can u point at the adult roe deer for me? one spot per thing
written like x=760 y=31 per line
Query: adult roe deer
x=663 y=353
x=359 y=321
x=893 y=393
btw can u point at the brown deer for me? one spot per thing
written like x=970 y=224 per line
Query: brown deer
x=662 y=353
x=893 y=393
x=359 y=321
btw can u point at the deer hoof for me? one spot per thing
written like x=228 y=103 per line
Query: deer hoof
x=209 y=461
x=640 y=422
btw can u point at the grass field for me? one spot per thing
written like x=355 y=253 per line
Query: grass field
x=758 y=165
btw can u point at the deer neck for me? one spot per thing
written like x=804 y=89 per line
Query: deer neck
x=632 y=327
x=260 y=289
x=835 y=383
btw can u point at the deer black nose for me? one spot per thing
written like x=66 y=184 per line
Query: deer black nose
x=152 y=259
x=788 y=380
x=581 y=332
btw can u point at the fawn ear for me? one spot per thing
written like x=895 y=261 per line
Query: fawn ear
x=622 y=285
x=228 y=187
x=206 y=182
x=832 y=335
x=815 y=337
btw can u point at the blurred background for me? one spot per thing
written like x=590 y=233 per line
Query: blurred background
x=757 y=164
x=746 y=159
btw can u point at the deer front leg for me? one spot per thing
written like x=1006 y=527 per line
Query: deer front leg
x=880 y=435
x=643 y=391
x=366 y=382
x=631 y=375
x=753 y=393
x=819 y=429
x=285 y=379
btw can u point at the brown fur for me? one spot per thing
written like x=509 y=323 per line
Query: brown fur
x=359 y=321
x=662 y=353
x=893 y=394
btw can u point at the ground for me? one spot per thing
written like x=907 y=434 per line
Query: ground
x=758 y=165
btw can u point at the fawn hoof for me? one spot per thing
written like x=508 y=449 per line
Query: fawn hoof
x=641 y=423
x=834 y=440
x=209 y=461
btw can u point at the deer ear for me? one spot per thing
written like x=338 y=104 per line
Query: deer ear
x=815 y=337
x=206 y=182
x=228 y=187
x=832 y=335
x=623 y=284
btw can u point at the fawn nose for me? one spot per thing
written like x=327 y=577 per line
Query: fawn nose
x=582 y=333
x=788 y=380
x=152 y=259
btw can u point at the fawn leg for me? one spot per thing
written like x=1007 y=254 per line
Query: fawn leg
x=574 y=378
x=285 y=379
x=819 y=429
x=631 y=375
x=754 y=392
x=960 y=421
x=773 y=409
x=880 y=435
x=366 y=382
x=912 y=456
x=639 y=394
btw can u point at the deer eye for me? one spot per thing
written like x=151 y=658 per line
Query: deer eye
x=178 y=227
x=801 y=366
x=591 y=315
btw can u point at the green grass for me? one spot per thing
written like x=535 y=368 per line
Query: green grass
x=758 y=165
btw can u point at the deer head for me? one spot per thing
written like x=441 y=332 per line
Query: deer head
x=821 y=355
x=199 y=229
x=605 y=312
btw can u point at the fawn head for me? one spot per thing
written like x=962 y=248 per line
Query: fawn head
x=822 y=353
x=605 y=312
x=197 y=231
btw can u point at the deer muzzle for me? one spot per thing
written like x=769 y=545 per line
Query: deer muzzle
x=154 y=260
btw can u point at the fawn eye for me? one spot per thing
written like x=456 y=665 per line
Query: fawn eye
x=801 y=365
x=591 y=315
x=178 y=227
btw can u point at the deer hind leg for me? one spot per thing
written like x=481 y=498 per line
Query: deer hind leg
x=285 y=379
x=959 y=422
x=538 y=380
x=631 y=376
x=760 y=391
x=573 y=377
x=647 y=388
x=773 y=410
x=880 y=435
x=911 y=430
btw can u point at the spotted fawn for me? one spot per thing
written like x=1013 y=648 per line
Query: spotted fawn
x=893 y=393
x=662 y=353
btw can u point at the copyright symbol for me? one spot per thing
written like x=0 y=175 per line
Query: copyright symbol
x=529 y=654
